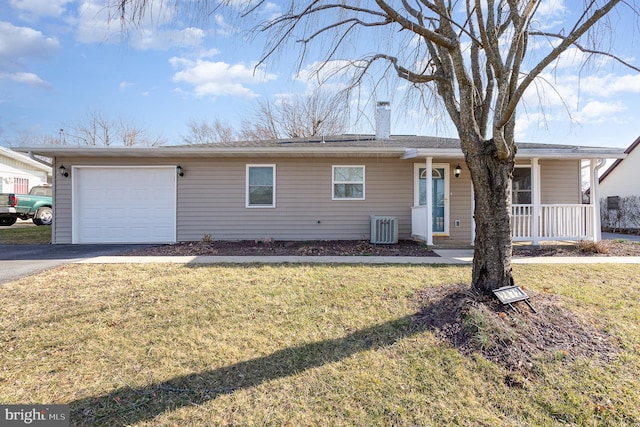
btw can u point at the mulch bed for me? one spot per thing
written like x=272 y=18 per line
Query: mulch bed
x=516 y=340
x=290 y=248
x=584 y=248
x=365 y=248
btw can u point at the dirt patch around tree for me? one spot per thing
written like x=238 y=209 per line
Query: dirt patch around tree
x=515 y=340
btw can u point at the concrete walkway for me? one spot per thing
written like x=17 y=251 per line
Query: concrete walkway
x=447 y=256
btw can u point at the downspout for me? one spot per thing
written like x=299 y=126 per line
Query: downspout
x=595 y=198
x=34 y=158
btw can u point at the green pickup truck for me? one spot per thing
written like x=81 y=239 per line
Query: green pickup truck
x=35 y=205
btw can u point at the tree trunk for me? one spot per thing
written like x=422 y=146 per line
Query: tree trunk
x=492 y=194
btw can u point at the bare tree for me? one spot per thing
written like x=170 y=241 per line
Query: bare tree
x=263 y=125
x=298 y=116
x=96 y=129
x=27 y=139
x=203 y=132
x=295 y=116
x=471 y=55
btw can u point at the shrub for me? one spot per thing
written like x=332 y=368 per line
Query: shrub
x=589 y=247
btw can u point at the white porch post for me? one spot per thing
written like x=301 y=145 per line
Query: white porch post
x=429 y=201
x=535 y=200
x=594 y=167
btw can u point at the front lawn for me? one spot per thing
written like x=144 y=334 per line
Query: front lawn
x=25 y=235
x=301 y=345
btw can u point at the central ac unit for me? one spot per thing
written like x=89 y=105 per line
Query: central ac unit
x=384 y=229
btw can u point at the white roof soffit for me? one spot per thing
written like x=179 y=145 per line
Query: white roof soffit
x=183 y=152
x=529 y=153
x=318 y=151
x=573 y=153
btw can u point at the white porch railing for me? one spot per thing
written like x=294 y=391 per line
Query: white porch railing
x=555 y=222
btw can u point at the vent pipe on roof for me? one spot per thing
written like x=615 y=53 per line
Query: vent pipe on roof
x=383 y=120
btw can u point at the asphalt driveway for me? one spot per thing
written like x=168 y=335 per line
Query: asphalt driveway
x=18 y=261
x=619 y=236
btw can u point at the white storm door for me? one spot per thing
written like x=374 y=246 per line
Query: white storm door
x=440 y=192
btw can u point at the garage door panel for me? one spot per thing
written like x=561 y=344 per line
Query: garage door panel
x=125 y=205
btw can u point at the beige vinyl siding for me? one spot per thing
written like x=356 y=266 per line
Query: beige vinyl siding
x=212 y=195
x=460 y=203
x=211 y=200
x=61 y=227
x=560 y=181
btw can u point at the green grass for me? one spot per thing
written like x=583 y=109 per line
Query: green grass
x=299 y=345
x=25 y=235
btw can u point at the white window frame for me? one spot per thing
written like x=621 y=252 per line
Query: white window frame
x=273 y=201
x=334 y=182
x=530 y=191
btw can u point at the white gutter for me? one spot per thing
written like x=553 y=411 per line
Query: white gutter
x=526 y=153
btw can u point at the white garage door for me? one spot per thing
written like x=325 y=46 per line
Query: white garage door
x=124 y=204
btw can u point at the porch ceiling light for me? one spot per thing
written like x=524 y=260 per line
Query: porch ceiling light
x=457 y=171
x=63 y=171
x=179 y=170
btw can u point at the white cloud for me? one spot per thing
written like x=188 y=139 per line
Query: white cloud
x=570 y=99
x=241 y=4
x=209 y=53
x=25 y=78
x=611 y=85
x=160 y=39
x=218 y=78
x=20 y=44
x=33 y=9
x=331 y=75
x=222 y=27
x=24 y=42
x=97 y=24
x=598 y=112
x=123 y=86
x=551 y=8
x=272 y=10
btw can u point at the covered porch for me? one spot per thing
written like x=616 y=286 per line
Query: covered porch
x=533 y=218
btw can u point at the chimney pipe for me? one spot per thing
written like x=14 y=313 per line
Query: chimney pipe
x=383 y=120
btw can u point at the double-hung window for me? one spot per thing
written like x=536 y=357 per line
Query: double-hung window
x=261 y=186
x=348 y=183
x=521 y=186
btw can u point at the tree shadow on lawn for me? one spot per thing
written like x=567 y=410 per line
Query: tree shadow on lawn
x=457 y=316
x=131 y=405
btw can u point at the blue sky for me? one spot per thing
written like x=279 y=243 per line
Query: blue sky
x=60 y=60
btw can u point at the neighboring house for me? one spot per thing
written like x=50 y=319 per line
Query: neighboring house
x=309 y=189
x=620 y=190
x=18 y=172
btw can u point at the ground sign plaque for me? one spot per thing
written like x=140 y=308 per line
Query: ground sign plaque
x=510 y=294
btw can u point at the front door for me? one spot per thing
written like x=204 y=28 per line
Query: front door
x=440 y=191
